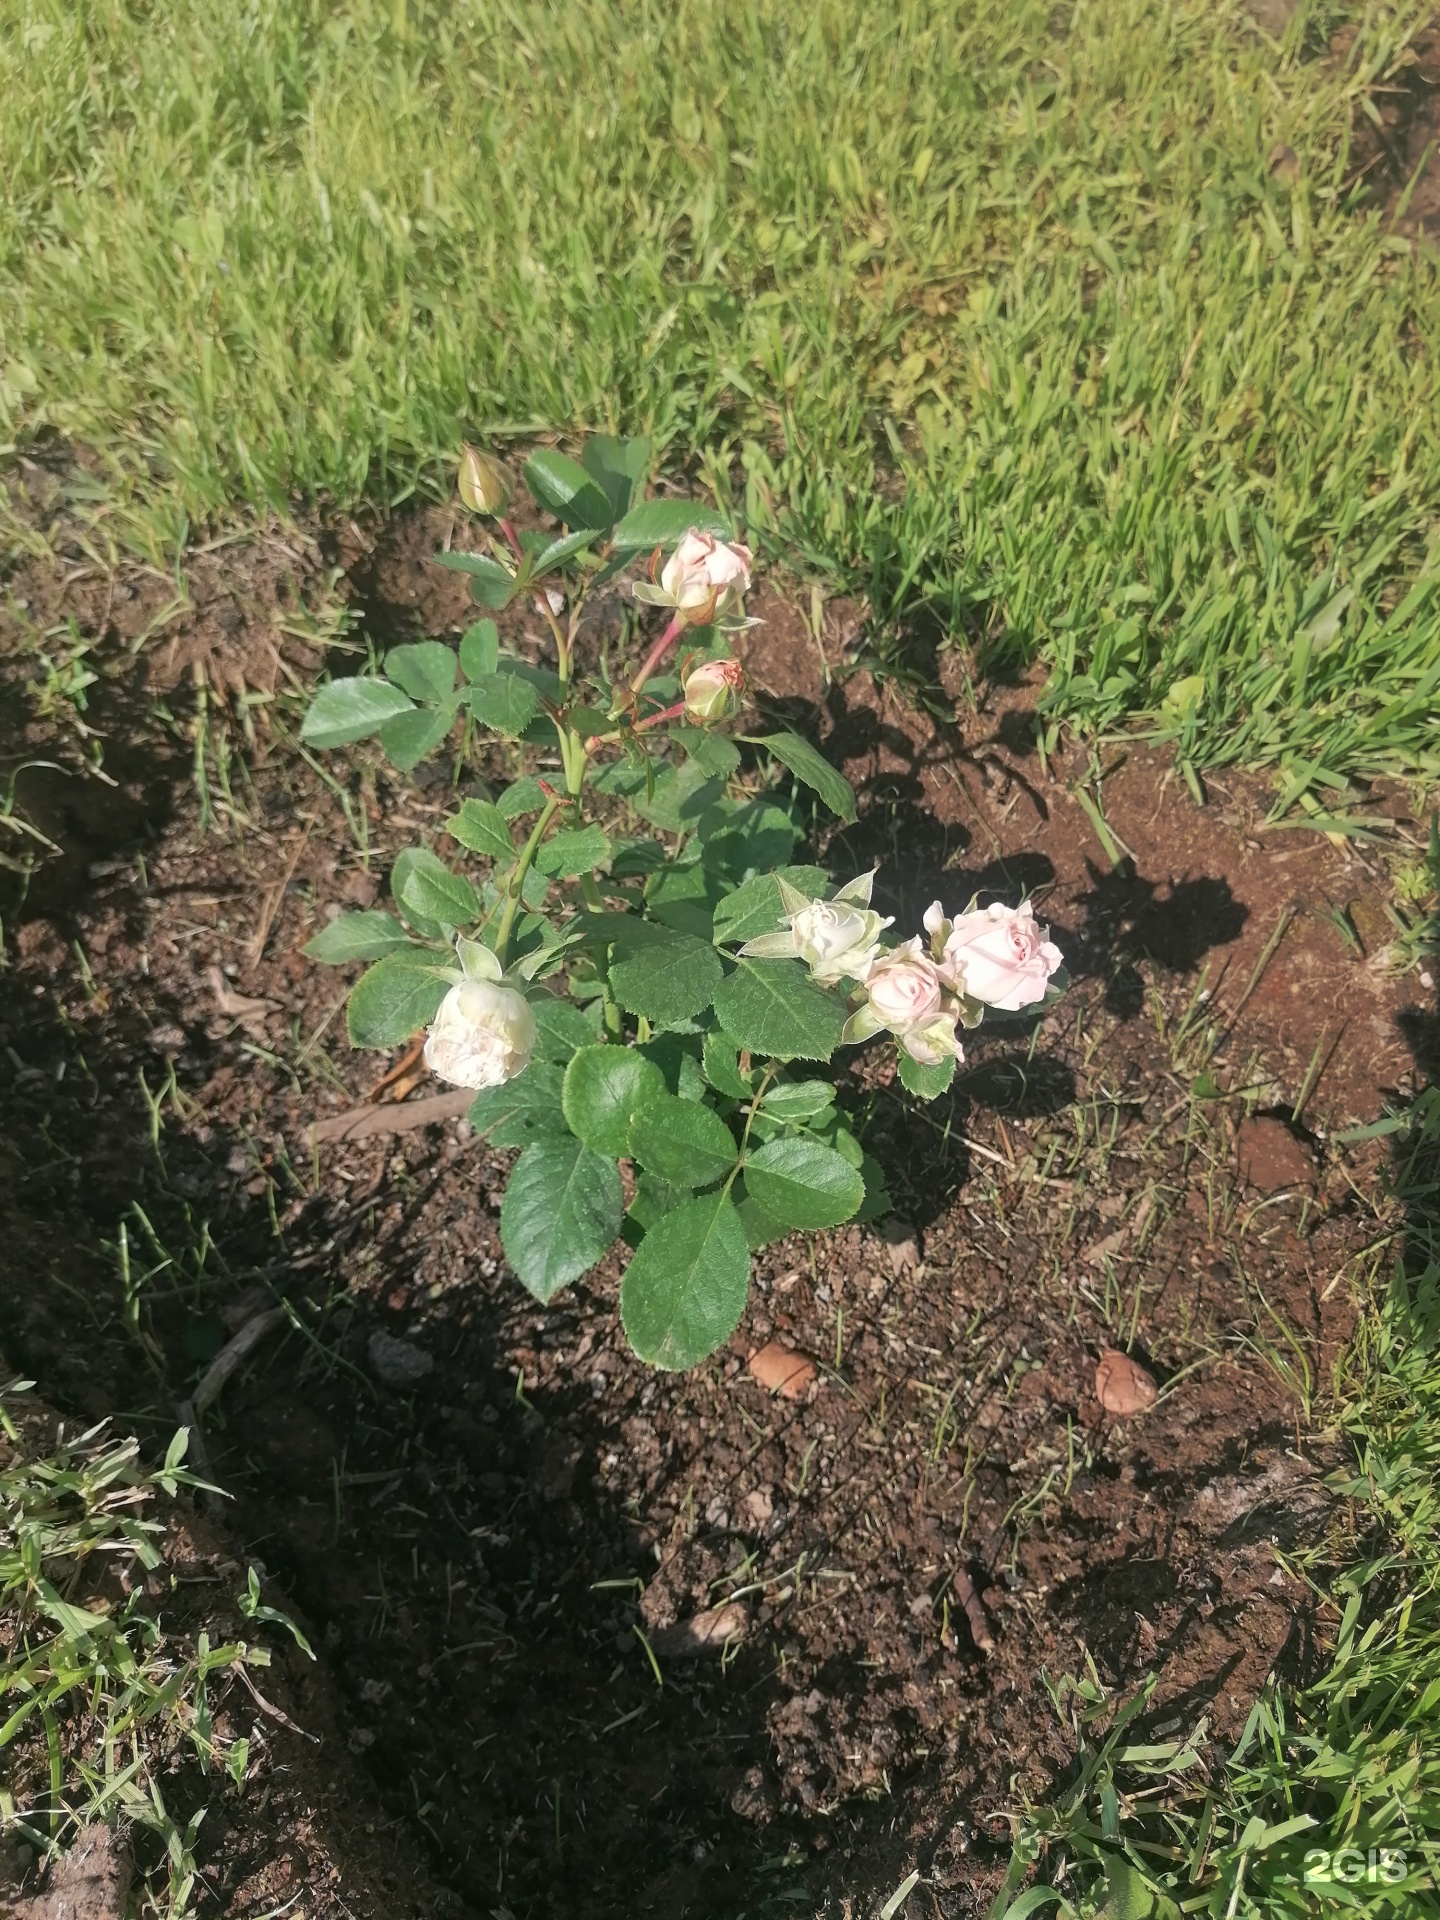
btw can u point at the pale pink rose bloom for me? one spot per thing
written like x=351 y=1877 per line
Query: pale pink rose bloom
x=904 y=987
x=1001 y=956
x=703 y=569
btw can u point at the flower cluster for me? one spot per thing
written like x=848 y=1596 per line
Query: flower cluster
x=919 y=991
x=575 y=947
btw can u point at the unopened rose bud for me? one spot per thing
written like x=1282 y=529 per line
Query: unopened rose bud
x=712 y=691
x=483 y=484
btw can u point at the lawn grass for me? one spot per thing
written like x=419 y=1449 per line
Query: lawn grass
x=1164 y=418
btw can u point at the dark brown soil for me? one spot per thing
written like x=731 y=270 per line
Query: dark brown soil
x=1394 y=154
x=484 y=1554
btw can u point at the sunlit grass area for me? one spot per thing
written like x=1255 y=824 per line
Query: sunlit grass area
x=1007 y=310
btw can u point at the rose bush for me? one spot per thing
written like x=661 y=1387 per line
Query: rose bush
x=633 y=966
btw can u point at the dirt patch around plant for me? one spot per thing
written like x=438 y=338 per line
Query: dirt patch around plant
x=608 y=1642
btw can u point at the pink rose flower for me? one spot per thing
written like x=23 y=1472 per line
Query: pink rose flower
x=905 y=987
x=1000 y=956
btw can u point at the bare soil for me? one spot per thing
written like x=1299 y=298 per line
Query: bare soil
x=490 y=1555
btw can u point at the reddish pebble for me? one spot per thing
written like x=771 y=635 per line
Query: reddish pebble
x=779 y=1369
x=1121 y=1385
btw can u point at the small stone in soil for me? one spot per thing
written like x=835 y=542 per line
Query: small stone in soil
x=1272 y=1157
x=1122 y=1386
x=398 y=1363
x=779 y=1369
x=759 y=1508
x=707 y=1632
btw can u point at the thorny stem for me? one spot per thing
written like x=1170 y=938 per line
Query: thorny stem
x=517 y=878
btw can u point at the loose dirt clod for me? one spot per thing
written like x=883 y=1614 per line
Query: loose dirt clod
x=90 y=1882
x=398 y=1363
x=1272 y=1158
x=779 y=1369
x=1121 y=1385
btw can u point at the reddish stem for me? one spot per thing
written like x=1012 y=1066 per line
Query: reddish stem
x=513 y=538
x=657 y=653
x=654 y=719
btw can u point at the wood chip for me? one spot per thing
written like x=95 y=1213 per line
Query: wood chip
x=232 y=1354
x=974 y=1612
x=238 y=1006
x=391 y=1116
x=1122 y=1386
x=780 y=1369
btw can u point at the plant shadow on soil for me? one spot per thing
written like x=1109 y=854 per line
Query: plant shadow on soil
x=480 y=1553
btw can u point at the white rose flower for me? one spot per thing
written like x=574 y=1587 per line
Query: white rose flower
x=837 y=938
x=482 y=1036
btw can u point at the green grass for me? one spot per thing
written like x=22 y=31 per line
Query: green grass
x=1349 y=1761
x=1162 y=419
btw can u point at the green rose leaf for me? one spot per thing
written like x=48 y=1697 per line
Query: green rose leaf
x=684 y=1142
x=431 y=892
x=491 y=584
x=561 y=1211
x=574 y=850
x=877 y=1202
x=405 y=863
x=479 y=649
x=755 y=907
x=348 y=710
x=773 y=1006
x=721 y=1064
x=356 y=936
x=760 y=1229
x=604 y=1088
x=559 y=551
x=654 y=1198
x=563 y=1026
x=516 y=1113
x=505 y=702
x=799 y=1100
x=618 y=468
x=716 y=756
x=669 y=979
x=482 y=828
x=664 y=523
x=816 y=771
x=524 y=796
x=685 y=1288
x=801 y=1183
x=926 y=1083
x=426 y=669
x=567 y=490
x=410 y=736
x=399 y=995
